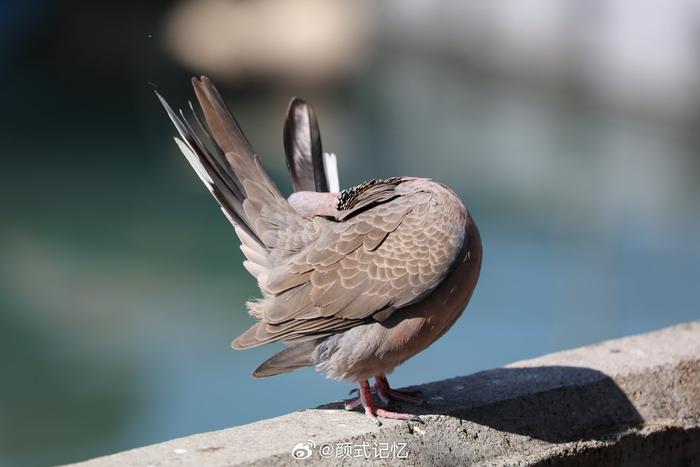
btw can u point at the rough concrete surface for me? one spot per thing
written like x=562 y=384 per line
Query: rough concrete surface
x=629 y=401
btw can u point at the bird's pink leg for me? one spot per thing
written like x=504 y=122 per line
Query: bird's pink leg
x=386 y=394
x=372 y=411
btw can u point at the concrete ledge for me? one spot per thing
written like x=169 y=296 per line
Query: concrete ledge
x=633 y=401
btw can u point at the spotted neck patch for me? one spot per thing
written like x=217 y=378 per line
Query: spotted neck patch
x=348 y=198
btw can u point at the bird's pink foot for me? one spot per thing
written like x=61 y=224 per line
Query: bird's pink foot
x=387 y=394
x=373 y=411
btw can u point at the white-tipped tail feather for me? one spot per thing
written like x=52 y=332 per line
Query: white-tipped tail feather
x=197 y=166
x=330 y=167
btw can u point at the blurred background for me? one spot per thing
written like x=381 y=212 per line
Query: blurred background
x=568 y=127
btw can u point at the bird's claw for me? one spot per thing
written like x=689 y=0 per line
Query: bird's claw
x=385 y=394
x=375 y=413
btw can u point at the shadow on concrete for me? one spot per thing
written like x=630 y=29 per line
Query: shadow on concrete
x=553 y=403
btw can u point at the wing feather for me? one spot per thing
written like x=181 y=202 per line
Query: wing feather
x=362 y=268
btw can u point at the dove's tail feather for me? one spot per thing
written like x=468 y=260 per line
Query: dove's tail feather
x=207 y=163
x=307 y=163
x=330 y=166
x=292 y=358
x=229 y=168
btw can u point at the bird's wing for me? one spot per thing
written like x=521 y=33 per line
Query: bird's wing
x=302 y=146
x=386 y=253
x=318 y=275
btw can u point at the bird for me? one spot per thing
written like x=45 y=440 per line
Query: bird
x=353 y=281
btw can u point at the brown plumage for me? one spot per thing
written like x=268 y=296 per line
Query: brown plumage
x=354 y=282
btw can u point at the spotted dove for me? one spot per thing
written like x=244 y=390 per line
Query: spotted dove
x=356 y=281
